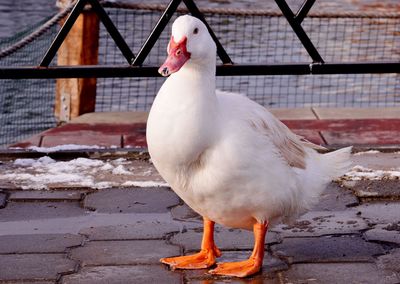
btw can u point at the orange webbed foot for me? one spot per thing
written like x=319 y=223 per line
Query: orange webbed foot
x=201 y=260
x=253 y=264
x=238 y=269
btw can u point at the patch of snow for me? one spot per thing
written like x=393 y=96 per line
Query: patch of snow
x=45 y=173
x=367 y=193
x=120 y=170
x=133 y=147
x=24 y=162
x=148 y=173
x=362 y=173
x=41 y=181
x=367 y=152
x=120 y=161
x=145 y=183
x=66 y=147
x=34 y=162
x=84 y=162
x=107 y=167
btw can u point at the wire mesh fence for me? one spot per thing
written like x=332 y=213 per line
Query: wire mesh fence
x=26 y=106
x=266 y=37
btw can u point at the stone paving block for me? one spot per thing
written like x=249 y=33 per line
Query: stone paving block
x=377 y=160
x=270 y=263
x=337 y=273
x=293 y=113
x=94 y=129
x=390 y=262
x=131 y=117
x=136 y=140
x=137 y=274
x=225 y=238
x=381 y=137
x=267 y=275
x=34 y=266
x=202 y=277
x=3 y=199
x=335 y=198
x=380 y=212
x=320 y=223
x=389 y=233
x=16 y=211
x=184 y=212
x=38 y=243
x=89 y=138
x=259 y=278
x=8 y=185
x=30 y=282
x=31 y=141
x=377 y=189
x=123 y=252
x=141 y=230
x=46 y=195
x=133 y=200
x=311 y=135
x=357 y=113
x=327 y=249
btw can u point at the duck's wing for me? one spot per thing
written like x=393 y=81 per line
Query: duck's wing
x=290 y=146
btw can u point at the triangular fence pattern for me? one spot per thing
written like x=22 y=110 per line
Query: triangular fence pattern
x=119 y=40
x=317 y=65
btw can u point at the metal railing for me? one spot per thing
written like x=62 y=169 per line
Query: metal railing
x=134 y=68
x=353 y=58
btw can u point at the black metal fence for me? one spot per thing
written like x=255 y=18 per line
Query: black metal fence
x=256 y=37
x=262 y=42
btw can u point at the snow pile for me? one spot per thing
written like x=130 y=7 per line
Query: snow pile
x=370 y=152
x=120 y=170
x=362 y=173
x=130 y=183
x=66 y=147
x=45 y=173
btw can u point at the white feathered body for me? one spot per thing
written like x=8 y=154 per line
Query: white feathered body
x=221 y=153
x=226 y=156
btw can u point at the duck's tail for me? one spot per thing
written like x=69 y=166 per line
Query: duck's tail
x=336 y=163
x=321 y=170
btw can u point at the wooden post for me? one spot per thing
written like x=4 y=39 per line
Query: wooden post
x=78 y=95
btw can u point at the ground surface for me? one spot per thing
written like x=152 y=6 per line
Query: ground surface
x=331 y=127
x=75 y=234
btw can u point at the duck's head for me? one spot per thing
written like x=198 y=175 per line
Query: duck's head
x=190 y=41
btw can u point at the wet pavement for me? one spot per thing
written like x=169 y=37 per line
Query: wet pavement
x=117 y=235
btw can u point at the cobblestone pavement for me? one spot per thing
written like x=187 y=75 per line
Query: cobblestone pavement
x=117 y=235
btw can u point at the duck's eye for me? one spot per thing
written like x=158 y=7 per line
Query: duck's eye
x=196 y=31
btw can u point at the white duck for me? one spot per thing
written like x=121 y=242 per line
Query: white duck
x=226 y=156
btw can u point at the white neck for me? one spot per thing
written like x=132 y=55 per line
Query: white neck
x=188 y=107
x=194 y=85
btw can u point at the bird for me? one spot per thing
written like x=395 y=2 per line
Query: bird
x=226 y=156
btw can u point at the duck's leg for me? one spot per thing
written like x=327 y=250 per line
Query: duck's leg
x=203 y=259
x=253 y=264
